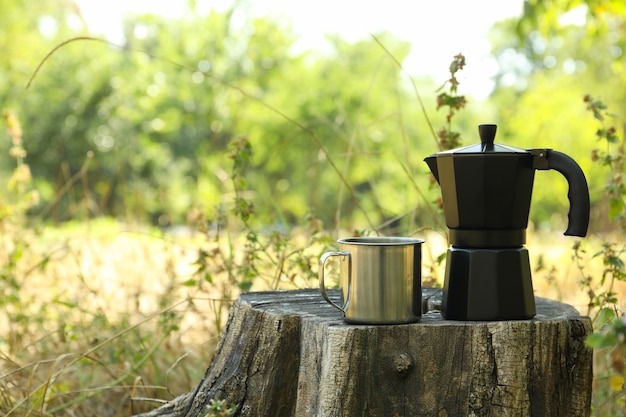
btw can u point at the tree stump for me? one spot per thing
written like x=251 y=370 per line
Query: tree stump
x=289 y=353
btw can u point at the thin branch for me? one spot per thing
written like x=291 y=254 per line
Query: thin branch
x=415 y=90
x=56 y=48
x=300 y=126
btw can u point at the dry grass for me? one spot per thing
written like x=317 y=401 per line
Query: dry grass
x=106 y=317
x=105 y=313
x=560 y=274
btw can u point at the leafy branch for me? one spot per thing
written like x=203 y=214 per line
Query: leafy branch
x=609 y=321
x=449 y=139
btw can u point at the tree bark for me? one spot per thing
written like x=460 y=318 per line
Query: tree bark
x=289 y=353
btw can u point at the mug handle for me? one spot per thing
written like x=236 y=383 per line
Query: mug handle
x=323 y=259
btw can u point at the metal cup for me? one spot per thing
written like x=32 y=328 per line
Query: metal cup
x=380 y=279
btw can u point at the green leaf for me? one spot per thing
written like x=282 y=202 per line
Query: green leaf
x=605 y=315
x=616 y=207
x=599 y=340
x=189 y=283
x=594 y=340
x=245 y=286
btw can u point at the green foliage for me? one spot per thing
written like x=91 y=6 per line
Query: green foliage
x=153 y=116
x=548 y=60
x=609 y=337
x=610 y=154
x=138 y=131
x=222 y=125
x=249 y=254
x=12 y=251
x=449 y=139
x=613 y=330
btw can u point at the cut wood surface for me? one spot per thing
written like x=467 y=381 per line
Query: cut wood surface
x=289 y=353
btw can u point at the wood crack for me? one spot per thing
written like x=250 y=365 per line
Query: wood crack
x=287 y=353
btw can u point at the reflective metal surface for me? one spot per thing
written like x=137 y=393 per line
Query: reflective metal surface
x=380 y=279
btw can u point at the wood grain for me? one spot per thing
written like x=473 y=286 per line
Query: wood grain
x=289 y=353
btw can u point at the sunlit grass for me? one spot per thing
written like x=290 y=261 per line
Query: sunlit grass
x=107 y=312
x=104 y=314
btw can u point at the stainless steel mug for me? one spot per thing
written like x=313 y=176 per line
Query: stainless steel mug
x=380 y=279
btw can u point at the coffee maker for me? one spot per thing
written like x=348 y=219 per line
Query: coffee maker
x=486 y=191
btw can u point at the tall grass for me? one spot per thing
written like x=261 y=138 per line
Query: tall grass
x=121 y=315
x=103 y=318
x=118 y=312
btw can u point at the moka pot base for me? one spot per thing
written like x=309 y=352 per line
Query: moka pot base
x=488 y=284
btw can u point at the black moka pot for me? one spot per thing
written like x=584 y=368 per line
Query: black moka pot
x=486 y=191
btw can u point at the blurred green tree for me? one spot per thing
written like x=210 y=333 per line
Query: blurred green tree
x=550 y=58
x=139 y=130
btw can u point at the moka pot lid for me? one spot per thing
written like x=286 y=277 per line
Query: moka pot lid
x=487 y=134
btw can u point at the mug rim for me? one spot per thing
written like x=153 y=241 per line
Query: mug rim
x=380 y=240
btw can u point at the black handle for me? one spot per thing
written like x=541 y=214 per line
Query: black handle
x=578 y=193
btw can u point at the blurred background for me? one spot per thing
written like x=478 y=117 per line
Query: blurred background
x=154 y=109
x=159 y=157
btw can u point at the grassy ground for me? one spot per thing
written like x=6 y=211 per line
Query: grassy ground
x=95 y=315
x=102 y=315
